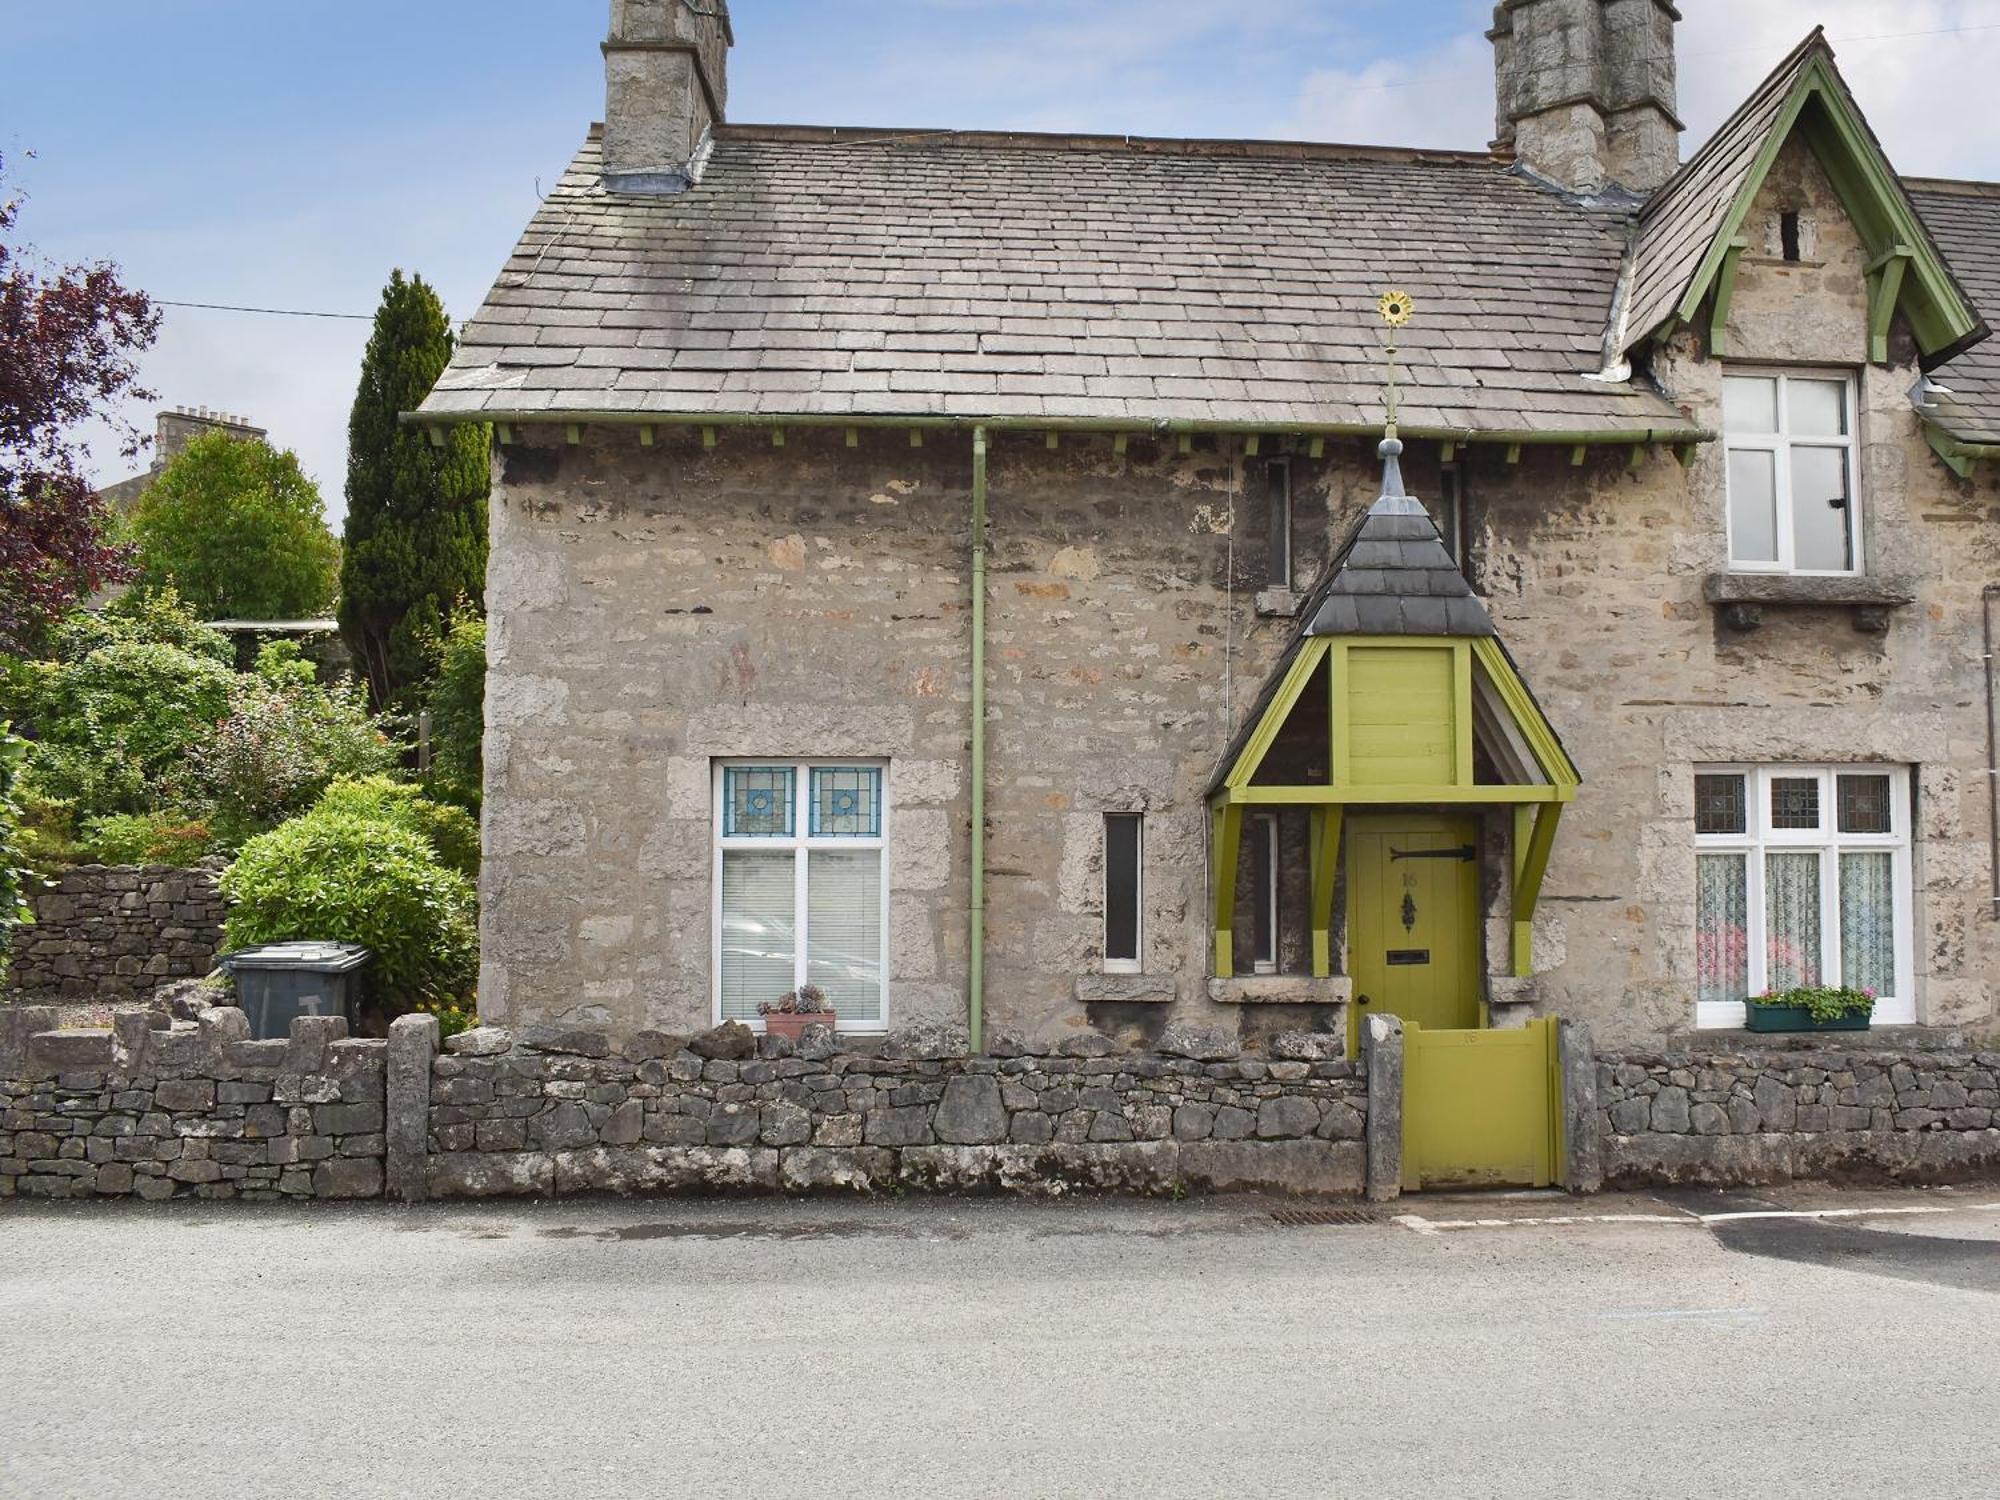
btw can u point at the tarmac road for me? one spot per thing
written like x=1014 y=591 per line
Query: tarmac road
x=1471 y=1348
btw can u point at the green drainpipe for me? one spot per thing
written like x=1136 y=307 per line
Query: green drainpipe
x=976 y=935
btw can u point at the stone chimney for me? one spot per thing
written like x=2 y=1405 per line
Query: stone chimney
x=1586 y=90
x=665 y=84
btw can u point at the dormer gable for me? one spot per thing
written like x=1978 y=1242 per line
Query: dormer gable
x=1693 y=235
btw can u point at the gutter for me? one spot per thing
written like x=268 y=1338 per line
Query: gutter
x=1958 y=456
x=975 y=1008
x=1457 y=436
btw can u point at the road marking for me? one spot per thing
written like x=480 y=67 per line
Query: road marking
x=1419 y=1224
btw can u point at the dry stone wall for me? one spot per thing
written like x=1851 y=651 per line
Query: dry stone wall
x=115 y=932
x=548 y=1110
x=1810 y=1109
x=156 y=1108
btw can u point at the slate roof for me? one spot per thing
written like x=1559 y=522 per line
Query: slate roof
x=819 y=273
x=1964 y=218
x=1681 y=220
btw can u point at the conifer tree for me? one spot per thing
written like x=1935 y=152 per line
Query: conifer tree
x=415 y=544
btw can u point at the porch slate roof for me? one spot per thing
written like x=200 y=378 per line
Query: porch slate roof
x=1964 y=218
x=823 y=273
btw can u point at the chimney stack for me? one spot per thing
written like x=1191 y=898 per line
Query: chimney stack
x=665 y=85
x=1585 y=90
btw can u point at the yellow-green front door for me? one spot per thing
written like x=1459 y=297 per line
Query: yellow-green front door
x=1413 y=922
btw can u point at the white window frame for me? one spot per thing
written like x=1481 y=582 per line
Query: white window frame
x=1760 y=837
x=801 y=842
x=1780 y=445
x=1137 y=963
x=1267 y=963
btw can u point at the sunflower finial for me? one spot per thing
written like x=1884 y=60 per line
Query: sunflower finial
x=1396 y=306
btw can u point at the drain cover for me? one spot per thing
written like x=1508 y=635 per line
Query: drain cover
x=1320 y=1218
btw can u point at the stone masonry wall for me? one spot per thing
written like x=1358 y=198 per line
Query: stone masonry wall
x=116 y=932
x=158 y=1109
x=545 y=1110
x=1805 y=1109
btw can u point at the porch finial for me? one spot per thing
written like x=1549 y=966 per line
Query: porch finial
x=1395 y=307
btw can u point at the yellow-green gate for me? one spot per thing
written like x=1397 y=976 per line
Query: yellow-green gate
x=1482 y=1108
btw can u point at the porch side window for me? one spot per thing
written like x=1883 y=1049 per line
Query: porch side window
x=1802 y=877
x=1123 y=878
x=1794 y=504
x=1261 y=831
x=801 y=886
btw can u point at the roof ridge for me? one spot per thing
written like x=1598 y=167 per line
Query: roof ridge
x=1965 y=187
x=857 y=135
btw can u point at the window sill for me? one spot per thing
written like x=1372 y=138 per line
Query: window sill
x=1743 y=597
x=1277 y=603
x=1282 y=989
x=1126 y=989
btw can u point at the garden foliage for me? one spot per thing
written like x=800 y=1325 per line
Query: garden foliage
x=457 y=700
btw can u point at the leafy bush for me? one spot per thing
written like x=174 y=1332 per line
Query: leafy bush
x=340 y=877
x=1822 y=1002
x=456 y=698
x=157 y=838
x=14 y=875
x=282 y=741
x=450 y=831
x=452 y=1017
x=158 y=617
x=112 y=728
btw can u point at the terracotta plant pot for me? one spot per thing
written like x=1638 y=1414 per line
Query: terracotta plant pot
x=779 y=1023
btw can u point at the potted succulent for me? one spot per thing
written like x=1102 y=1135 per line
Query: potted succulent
x=791 y=1013
x=1809 y=1008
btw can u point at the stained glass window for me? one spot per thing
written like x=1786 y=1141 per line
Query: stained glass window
x=1718 y=804
x=1795 y=802
x=1864 y=804
x=757 y=801
x=846 y=802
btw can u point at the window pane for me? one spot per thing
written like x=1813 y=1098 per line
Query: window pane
x=1822 y=511
x=757 y=801
x=1719 y=805
x=1868 y=922
x=1753 y=506
x=1795 y=802
x=844 y=930
x=1817 y=408
x=1864 y=804
x=846 y=802
x=1121 y=887
x=1722 y=928
x=1264 y=888
x=1749 y=404
x=759 y=941
x=1791 y=920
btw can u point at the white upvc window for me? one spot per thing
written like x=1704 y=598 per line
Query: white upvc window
x=802 y=886
x=1802 y=877
x=1794 y=499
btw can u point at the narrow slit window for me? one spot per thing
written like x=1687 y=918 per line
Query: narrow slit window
x=1122 y=867
x=1788 y=235
x=1264 y=891
x=1278 y=479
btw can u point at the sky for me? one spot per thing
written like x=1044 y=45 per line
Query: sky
x=291 y=153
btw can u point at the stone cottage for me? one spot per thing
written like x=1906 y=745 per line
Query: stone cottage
x=965 y=571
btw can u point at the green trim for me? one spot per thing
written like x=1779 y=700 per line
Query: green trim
x=1958 y=457
x=916 y=426
x=1534 y=865
x=1228 y=822
x=1289 y=693
x=1940 y=315
x=975 y=1000
x=1326 y=821
x=1534 y=725
x=1885 y=285
x=1425 y=792
x=1725 y=293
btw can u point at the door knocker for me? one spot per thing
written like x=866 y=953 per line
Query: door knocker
x=1409 y=912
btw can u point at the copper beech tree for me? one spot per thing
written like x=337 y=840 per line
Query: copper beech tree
x=69 y=341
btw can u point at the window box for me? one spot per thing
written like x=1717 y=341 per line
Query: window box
x=1761 y=1017
x=792 y=1024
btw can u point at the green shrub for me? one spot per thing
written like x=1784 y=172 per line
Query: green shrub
x=158 y=617
x=1822 y=1002
x=113 y=729
x=452 y=1017
x=456 y=698
x=450 y=831
x=14 y=874
x=159 y=838
x=282 y=742
x=338 y=877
